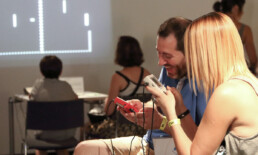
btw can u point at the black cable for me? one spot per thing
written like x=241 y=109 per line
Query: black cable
x=134 y=131
x=151 y=122
x=136 y=124
x=143 y=115
x=136 y=128
x=113 y=152
x=112 y=101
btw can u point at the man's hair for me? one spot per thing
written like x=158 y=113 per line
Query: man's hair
x=176 y=26
x=50 y=66
x=128 y=52
x=214 y=51
x=226 y=6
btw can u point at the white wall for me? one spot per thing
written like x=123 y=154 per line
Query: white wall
x=139 y=18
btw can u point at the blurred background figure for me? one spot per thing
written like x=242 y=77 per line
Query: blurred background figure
x=50 y=88
x=128 y=82
x=234 y=9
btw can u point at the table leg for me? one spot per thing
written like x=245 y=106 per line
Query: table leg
x=11 y=126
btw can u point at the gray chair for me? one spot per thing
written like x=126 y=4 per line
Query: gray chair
x=52 y=116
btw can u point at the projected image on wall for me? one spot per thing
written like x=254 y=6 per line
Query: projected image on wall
x=44 y=27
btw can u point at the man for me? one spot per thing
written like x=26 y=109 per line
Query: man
x=170 y=49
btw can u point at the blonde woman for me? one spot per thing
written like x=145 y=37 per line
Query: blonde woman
x=215 y=60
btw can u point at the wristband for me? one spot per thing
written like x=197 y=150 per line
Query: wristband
x=174 y=122
x=183 y=114
x=163 y=123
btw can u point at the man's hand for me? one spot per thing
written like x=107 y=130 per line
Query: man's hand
x=148 y=113
x=130 y=116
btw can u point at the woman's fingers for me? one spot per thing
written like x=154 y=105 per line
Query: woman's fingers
x=153 y=91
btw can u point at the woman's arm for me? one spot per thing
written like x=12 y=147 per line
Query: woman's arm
x=113 y=92
x=216 y=120
x=187 y=122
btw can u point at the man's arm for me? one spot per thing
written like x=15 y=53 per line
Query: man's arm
x=187 y=122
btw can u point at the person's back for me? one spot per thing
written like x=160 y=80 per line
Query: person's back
x=243 y=133
x=124 y=83
x=129 y=80
x=51 y=89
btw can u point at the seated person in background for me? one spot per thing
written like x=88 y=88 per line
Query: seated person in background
x=234 y=9
x=50 y=88
x=126 y=82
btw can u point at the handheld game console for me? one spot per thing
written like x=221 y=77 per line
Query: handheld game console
x=127 y=107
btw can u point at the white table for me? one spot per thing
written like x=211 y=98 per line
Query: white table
x=88 y=96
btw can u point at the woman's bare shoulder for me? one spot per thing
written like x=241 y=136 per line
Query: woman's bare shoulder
x=233 y=92
x=247 y=31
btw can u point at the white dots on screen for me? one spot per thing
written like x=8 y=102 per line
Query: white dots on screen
x=14 y=20
x=86 y=19
x=64 y=6
x=32 y=20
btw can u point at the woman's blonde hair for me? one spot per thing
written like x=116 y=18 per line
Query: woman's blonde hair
x=214 y=52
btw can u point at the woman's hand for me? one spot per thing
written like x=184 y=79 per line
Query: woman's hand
x=180 y=107
x=166 y=101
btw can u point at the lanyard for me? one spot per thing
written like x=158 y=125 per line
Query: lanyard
x=180 y=83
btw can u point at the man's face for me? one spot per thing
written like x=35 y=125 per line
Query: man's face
x=171 y=58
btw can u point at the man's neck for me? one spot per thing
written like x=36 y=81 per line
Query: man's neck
x=182 y=76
